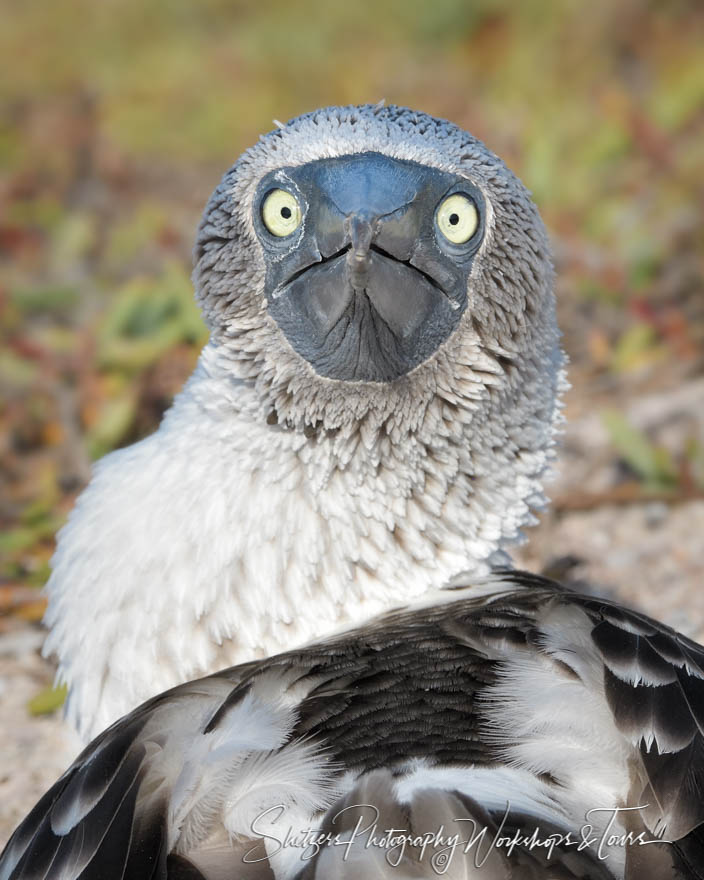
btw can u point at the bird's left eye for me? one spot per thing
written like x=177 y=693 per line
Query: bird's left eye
x=457 y=218
x=281 y=212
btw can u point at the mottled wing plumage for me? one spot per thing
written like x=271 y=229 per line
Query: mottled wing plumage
x=109 y=814
x=511 y=703
x=654 y=683
x=90 y=817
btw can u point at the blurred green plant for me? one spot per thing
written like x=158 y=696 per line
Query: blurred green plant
x=653 y=464
x=147 y=317
x=46 y=300
x=47 y=700
x=114 y=418
x=637 y=346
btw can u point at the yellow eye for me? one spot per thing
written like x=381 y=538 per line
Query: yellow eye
x=281 y=212
x=457 y=218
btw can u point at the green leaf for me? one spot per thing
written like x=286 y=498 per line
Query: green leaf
x=18 y=539
x=39 y=300
x=47 y=700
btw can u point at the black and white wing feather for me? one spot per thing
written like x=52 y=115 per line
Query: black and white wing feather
x=504 y=709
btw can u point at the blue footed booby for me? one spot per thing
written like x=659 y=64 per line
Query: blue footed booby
x=374 y=413
x=328 y=505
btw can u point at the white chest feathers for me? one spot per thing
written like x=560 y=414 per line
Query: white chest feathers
x=222 y=538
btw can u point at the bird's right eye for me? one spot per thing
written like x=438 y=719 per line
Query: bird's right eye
x=281 y=212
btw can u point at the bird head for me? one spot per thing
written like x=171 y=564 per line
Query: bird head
x=359 y=262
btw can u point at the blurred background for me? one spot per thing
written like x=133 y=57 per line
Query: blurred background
x=117 y=120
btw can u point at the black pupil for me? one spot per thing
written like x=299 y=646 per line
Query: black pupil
x=286 y=213
x=454 y=219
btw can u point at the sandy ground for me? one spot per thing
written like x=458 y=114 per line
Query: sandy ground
x=645 y=554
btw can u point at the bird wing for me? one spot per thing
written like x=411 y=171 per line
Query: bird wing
x=654 y=686
x=506 y=706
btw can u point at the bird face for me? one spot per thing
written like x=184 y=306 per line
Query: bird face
x=376 y=266
x=367 y=260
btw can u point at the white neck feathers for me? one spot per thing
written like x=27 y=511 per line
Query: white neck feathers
x=222 y=537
